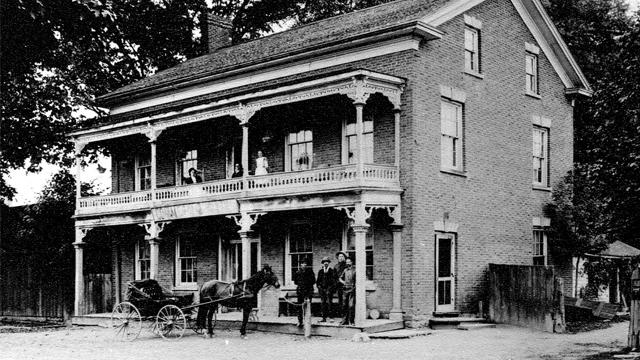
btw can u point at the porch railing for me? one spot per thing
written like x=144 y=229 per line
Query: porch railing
x=277 y=183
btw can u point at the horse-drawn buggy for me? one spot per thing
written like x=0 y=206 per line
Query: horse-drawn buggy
x=173 y=314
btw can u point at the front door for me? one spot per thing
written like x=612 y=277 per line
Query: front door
x=230 y=258
x=445 y=272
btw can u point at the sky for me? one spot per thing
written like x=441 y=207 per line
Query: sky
x=29 y=185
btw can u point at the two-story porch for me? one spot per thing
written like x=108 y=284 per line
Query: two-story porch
x=333 y=147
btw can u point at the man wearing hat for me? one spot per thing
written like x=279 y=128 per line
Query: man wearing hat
x=304 y=279
x=326 y=282
x=337 y=270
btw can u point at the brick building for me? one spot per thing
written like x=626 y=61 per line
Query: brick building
x=401 y=133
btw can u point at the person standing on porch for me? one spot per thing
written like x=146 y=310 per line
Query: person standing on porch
x=304 y=279
x=348 y=280
x=262 y=165
x=337 y=270
x=326 y=282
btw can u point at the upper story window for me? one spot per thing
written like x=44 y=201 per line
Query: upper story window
x=352 y=141
x=540 y=156
x=143 y=260
x=186 y=260
x=349 y=247
x=300 y=150
x=471 y=49
x=143 y=172
x=299 y=245
x=539 y=247
x=186 y=161
x=531 y=69
x=451 y=143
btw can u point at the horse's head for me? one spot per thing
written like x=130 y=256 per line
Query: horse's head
x=270 y=279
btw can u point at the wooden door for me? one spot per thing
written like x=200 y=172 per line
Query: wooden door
x=445 y=272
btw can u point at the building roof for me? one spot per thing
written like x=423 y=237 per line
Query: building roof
x=619 y=249
x=296 y=40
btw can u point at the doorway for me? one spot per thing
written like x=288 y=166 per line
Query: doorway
x=445 y=272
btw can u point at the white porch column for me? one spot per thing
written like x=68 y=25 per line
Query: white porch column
x=396 y=115
x=153 y=229
x=154 y=258
x=78 y=152
x=396 y=309
x=78 y=304
x=360 y=232
x=359 y=140
x=245 y=154
x=245 y=221
x=152 y=133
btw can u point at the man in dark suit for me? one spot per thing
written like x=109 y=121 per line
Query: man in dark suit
x=305 y=279
x=326 y=283
x=337 y=270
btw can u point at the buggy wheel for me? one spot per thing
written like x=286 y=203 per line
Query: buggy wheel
x=171 y=322
x=126 y=321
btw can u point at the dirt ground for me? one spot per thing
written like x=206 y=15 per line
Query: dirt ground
x=503 y=342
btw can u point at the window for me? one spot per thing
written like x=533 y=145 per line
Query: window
x=300 y=150
x=451 y=142
x=349 y=246
x=143 y=259
x=186 y=161
x=299 y=246
x=472 y=49
x=540 y=156
x=532 y=73
x=143 y=172
x=352 y=141
x=186 y=260
x=539 y=247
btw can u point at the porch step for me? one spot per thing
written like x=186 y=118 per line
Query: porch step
x=438 y=323
x=283 y=325
x=476 y=326
x=446 y=314
x=399 y=334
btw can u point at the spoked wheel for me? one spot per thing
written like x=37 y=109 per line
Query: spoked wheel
x=171 y=322
x=126 y=321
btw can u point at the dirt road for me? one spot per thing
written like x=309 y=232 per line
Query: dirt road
x=503 y=342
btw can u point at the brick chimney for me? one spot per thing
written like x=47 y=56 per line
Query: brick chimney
x=216 y=32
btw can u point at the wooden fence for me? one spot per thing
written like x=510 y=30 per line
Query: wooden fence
x=529 y=296
x=28 y=296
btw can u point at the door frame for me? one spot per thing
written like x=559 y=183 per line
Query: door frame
x=221 y=250
x=452 y=305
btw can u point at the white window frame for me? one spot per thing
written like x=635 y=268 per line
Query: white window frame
x=531 y=74
x=138 y=260
x=182 y=158
x=291 y=165
x=540 y=244
x=138 y=160
x=368 y=127
x=191 y=285
x=370 y=235
x=288 y=275
x=540 y=156
x=472 y=51
x=457 y=139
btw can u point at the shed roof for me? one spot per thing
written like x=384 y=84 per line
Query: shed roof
x=619 y=249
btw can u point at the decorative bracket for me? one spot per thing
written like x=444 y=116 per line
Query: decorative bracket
x=357 y=214
x=152 y=132
x=79 y=146
x=81 y=233
x=245 y=220
x=244 y=113
x=154 y=229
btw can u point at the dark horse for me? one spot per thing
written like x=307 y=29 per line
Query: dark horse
x=241 y=294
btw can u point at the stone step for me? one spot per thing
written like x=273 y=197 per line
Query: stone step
x=475 y=326
x=446 y=314
x=399 y=334
x=452 y=322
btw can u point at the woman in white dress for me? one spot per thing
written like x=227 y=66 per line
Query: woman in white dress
x=261 y=164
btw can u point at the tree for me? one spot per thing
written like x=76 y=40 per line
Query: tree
x=606 y=43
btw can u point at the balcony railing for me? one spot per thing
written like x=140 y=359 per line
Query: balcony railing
x=314 y=180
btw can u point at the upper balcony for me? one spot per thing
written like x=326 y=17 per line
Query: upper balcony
x=325 y=136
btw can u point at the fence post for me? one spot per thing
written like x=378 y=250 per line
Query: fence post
x=634 y=321
x=307 y=318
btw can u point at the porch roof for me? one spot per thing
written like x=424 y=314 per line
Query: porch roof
x=302 y=39
x=619 y=249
